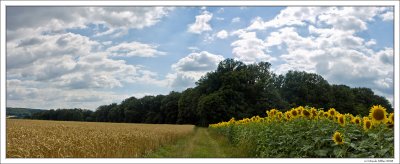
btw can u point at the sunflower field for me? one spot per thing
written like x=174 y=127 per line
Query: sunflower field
x=312 y=133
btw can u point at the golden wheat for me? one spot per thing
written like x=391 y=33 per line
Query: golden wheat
x=62 y=139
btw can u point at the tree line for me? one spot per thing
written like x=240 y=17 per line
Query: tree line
x=234 y=89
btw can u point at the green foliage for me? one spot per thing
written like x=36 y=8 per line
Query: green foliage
x=310 y=138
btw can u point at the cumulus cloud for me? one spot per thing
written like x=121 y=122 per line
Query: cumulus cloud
x=201 y=23
x=117 y=20
x=198 y=62
x=179 y=81
x=69 y=61
x=290 y=16
x=50 y=67
x=222 y=34
x=36 y=47
x=190 y=68
x=371 y=42
x=343 y=18
x=290 y=38
x=249 y=48
x=134 y=49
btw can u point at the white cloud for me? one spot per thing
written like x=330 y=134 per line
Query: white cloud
x=121 y=19
x=289 y=37
x=68 y=60
x=371 y=42
x=179 y=81
x=190 y=68
x=288 y=17
x=387 y=16
x=249 y=48
x=222 y=34
x=134 y=49
x=201 y=23
x=64 y=70
x=344 y=18
x=117 y=20
x=235 y=20
x=25 y=52
x=198 y=62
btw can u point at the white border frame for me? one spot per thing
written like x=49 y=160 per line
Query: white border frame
x=200 y=3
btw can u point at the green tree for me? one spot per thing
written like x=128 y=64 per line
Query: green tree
x=302 y=88
x=187 y=106
x=169 y=107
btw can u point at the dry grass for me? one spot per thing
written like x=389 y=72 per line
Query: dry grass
x=61 y=139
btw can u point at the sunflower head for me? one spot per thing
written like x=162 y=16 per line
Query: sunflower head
x=271 y=113
x=305 y=113
x=341 y=119
x=367 y=124
x=294 y=113
x=338 y=138
x=314 y=113
x=326 y=114
x=356 y=120
x=378 y=114
x=332 y=112
x=288 y=116
x=279 y=115
x=299 y=110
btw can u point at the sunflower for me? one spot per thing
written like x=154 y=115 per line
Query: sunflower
x=321 y=114
x=314 y=113
x=300 y=110
x=332 y=112
x=338 y=138
x=294 y=113
x=272 y=113
x=341 y=119
x=326 y=114
x=378 y=114
x=367 y=124
x=288 y=116
x=305 y=113
x=279 y=115
x=356 y=120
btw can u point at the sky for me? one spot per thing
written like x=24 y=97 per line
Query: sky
x=84 y=57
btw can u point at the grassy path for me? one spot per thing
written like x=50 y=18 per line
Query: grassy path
x=201 y=144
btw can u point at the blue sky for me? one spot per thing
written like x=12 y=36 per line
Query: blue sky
x=66 y=57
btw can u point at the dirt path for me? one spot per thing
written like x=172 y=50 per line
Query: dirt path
x=200 y=145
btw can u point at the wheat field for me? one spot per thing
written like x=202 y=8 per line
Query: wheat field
x=67 y=139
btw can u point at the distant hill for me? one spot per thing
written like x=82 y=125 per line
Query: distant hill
x=21 y=112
